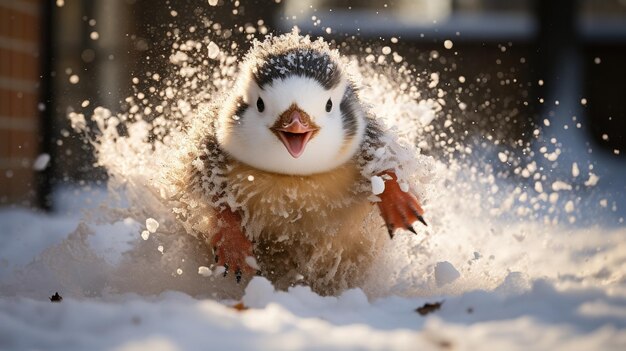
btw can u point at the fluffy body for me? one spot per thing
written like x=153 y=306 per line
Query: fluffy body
x=310 y=217
x=312 y=229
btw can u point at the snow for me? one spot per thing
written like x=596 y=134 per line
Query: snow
x=251 y=261
x=378 y=185
x=503 y=157
x=445 y=273
x=145 y=235
x=593 y=180
x=564 y=289
x=41 y=162
x=74 y=79
x=575 y=170
x=506 y=263
x=152 y=225
x=204 y=271
x=214 y=50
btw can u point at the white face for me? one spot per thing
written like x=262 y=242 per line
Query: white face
x=250 y=140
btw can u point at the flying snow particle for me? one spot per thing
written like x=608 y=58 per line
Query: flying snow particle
x=378 y=185
x=386 y=50
x=219 y=270
x=593 y=180
x=461 y=79
x=569 y=207
x=538 y=187
x=214 y=50
x=560 y=185
x=41 y=162
x=60 y=3
x=77 y=120
x=404 y=186
x=575 y=170
x=251 y=178
x=597 y=60
x=204 y=271
x=554 y=197
x=160 y=248
x=448 y=44
x=213 y=2
x=179 y=271
x=445 y=273
x=74 y=79
x=502 y=156
x=145 y=235
x=251 y=261
x=434 y=80
x=152 y=225
x=183 y=106
x=85 y=103
x=397 y=58
x=94 y=35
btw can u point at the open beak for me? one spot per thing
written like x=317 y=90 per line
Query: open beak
x=294 y=129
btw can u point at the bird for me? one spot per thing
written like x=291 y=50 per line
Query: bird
x=278 y=178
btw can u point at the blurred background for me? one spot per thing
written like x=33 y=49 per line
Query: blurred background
x=524 y=61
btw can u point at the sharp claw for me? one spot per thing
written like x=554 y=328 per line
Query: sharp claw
x=390 y=231
x=217 y=258
x=421 y=219
x=410 y=228
x=238 y=275
x=226 y=269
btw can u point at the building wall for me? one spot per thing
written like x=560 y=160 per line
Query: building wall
x=19 y=96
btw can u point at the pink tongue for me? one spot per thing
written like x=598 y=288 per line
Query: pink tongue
x=295 y=143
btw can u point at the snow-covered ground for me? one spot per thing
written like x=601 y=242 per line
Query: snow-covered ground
x=524 y=250
x=526 y=287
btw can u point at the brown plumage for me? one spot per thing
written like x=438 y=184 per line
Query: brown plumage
x=288 y=180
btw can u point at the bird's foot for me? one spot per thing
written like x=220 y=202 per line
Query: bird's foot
x=399 y=209
x=231 y=247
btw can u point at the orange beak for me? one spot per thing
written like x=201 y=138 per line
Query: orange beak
x=294 y=128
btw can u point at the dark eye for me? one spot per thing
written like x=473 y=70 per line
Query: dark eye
x=260 y=105
x=329 y=105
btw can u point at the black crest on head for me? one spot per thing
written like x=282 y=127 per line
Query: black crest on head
x=349 y=111
x=307 y=62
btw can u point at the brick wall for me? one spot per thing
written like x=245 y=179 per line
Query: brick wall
x=19 y=97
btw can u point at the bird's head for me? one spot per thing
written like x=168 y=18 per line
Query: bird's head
x=292 y=112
